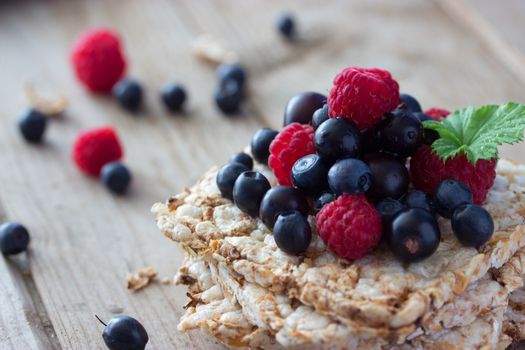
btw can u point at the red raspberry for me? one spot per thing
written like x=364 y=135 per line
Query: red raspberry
x=293 y=142
x=363 y=95
x=95 y=148
x=437 y=113
x=98 y=59
x=350 y=226
x=427 y=170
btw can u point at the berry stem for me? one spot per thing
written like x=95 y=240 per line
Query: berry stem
x=98 y=318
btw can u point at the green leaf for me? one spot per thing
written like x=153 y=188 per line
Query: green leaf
x=477 y=132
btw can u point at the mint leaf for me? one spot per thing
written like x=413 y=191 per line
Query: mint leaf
x=477 y=132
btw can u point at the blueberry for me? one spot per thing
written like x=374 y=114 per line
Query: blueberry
x=411 y=104
x=125 y=333
x=390 y=177
x=371 y=139
x=472 y=225
x=232 y=71
x=422 y=116
x=429 y=136
x=285 y=23
x=323 y=200
x=260 y=144
x=309 y=174
x=14 y=238
x=128 y=93
x=449 y=195
x=337 y=138
x=242 y=158
x=414 y=235
x=418 y=199
x=280 y=199
x=249 y=190
x=349 y=176
x=174 y=96
x=320 y=116
x=292 y=232
x=227 y=176
x=401 y=133
x=301 y=107
x=389 y=209
x=116 y=177
x=32 y=125
x=229 y=96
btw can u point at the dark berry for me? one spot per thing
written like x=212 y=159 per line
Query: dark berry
x=116 y=177
x=249 y=190
x=292 y=232
x=349 y=176
x=232 y=71
x=260 y=144
x=242 y=158
x=125 y=333
x=472 y=225
x=337 y=138
x=422 y=116
x=371 y=139
x=429 y=136
x=320 y=116
x=323 y=200
x=280 y=199
x=309 y=174
x=411 y=104
x=390 y=177
x=401 y=133
x=301 y=107
x=228 y=96
x=14 y=238
x=227 y=176
x=174 y=96
x=449 y=195
x=389 y=208
x=414 y=235
x=128 y=93
x=418 y=199
x=32 y=125
x=286 y=25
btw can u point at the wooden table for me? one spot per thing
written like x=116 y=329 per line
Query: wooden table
x=84 y=240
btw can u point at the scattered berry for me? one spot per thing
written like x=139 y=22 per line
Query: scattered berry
x=363 y=95
x=322 y=200
x=95 y=148
x=249 y=190
x=418 y=199
x=309 y=174
x=285 y=23
x=260 y=144
x=116 y=177
x=337 y=138
x=174 y=96
x=349 y=226
x=449 y=195
x=227 y=176
x=14 y=238
x=389 y=209
x=349 y=176
x=411 y=104
x=293 y=142
x=437 y=113
x=98 y=59
x=472 y=225
x=232 y=71
x=242 y=158
x=281 y=199
x=414 y=234
x=301 y=107
x=229 y=96
x=292 y=232
x=125 y=333
x=128 y=93
x=32 y=125
x=401 y=133
x=320 y=116
x=389 y=176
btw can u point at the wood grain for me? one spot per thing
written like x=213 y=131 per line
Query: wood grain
x=84 y=239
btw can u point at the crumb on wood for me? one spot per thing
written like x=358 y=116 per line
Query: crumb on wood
x=141 y=278
x=210 y=50
x=165 y=280
x=51 y=107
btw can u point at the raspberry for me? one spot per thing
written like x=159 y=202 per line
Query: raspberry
x=95 y=148
x=437 y=113
x=98 y=59
x=427 y=170
x=350 y=226
x=293 y=142
x=363 y=95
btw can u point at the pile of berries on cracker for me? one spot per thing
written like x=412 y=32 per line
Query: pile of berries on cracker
x=371 y=165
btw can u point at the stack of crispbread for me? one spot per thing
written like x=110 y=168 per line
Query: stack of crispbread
x=247 y=293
